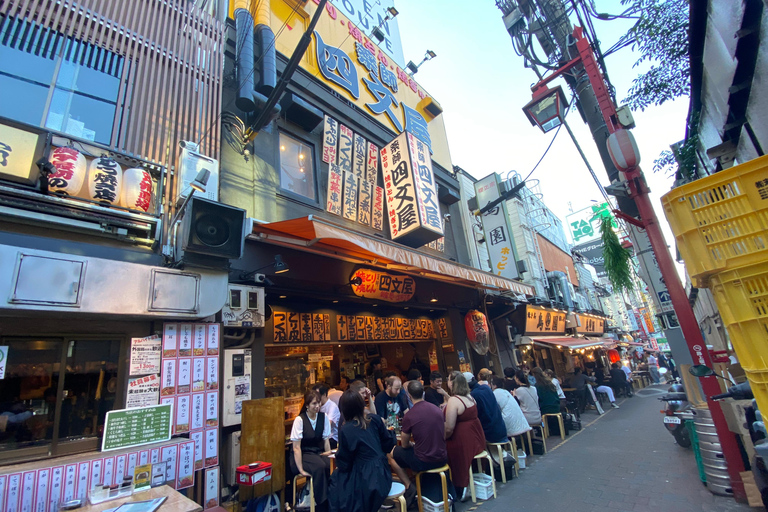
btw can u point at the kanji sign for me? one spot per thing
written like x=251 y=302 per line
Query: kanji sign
x=135 y=427
x=541 y=320
x=384 y=286
x=501 y=248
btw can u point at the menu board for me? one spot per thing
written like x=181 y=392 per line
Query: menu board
x=145 y=355
x=135 y=427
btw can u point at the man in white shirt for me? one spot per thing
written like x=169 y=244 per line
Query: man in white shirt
x=334 y=394
x=653 y=368
x=331 y=410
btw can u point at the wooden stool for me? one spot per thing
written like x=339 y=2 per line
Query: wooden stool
x=311 y=491
x=441 y=471
x=397 y=492
x=522 y=442
x=543 y=437
x=479 y=458
x=560 y=423
x=499 y=448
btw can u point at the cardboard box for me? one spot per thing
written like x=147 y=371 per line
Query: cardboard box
x=254 y=473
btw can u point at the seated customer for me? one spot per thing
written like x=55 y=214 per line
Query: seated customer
x=362 y=478
x=435 y=394
x=602 y=388
x=359 y=387
x=549 y=402
x=464 y=437
x=619 y=380
x=488 y=412
x=330 y=409
x=422 y=438
x=309 y=435
x=514 y=419
x=528 y=398
x=390 y=402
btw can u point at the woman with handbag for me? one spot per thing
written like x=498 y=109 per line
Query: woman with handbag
x=362 y=478
x=310 y=436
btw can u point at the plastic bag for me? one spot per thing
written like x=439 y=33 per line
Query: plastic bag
x=303 y=498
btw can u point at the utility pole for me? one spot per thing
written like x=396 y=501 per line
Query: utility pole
x=599 y=112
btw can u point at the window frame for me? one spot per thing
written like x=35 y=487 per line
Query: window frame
x=288 y=193
x=55 y=447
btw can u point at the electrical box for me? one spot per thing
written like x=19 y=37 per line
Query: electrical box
x=231 y=457
x=244 y=306
x=237 y=384
x=189 y=165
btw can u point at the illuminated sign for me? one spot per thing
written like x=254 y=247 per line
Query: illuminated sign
x=541 y=320
x=18 y=152
x=383 y=286
x=590 y=324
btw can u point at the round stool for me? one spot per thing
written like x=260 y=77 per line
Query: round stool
x=396 y=492
x=543 y=437
x=499 y=449
x=479 y=458
x=560 y=423
x=311 y=491
x=442 y=470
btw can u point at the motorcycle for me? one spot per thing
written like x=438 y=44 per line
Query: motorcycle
x=677 y=411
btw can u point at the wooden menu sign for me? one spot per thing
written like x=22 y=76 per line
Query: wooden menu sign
x=590 y=324
x=540 y=320
x=292 y=327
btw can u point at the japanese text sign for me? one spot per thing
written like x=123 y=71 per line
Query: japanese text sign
x=124 y=428
x=383 y=286
x=498 y=236
x=542 y=320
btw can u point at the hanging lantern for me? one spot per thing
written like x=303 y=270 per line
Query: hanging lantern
x=137 y=189
x=71 y=169
x=613 y=356
x=104 y=179
x=623 y=150
x=477 y=331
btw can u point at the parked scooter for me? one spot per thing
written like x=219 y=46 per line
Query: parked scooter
x=678 y=409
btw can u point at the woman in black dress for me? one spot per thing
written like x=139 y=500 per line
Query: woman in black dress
x=310 y=437
x=363 y=477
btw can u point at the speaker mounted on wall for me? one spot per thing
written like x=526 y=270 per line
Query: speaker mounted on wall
x=211 y=233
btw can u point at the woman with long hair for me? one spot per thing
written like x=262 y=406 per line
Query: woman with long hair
x=528 y=399
x=362 y=478
x=310 y=436
x=549 y=402
x=464 y=437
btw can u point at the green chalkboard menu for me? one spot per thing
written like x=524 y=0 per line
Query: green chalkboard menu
x=135 y=427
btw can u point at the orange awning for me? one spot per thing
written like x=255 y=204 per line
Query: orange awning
x=314 y=234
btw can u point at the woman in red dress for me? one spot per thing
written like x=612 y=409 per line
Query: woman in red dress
x=464 y=437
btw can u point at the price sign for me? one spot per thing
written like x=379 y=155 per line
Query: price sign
x=135 y=427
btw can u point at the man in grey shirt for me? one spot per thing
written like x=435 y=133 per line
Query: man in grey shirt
x=579 y=380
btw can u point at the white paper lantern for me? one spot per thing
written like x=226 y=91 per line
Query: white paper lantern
x=105 y=177
x=137 y=189
x=71 y=169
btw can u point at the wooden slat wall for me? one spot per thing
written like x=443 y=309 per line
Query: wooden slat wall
x=172 y=77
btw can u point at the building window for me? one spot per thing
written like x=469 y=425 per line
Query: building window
x=58 y=82
x=56 y=392
x=297 y=168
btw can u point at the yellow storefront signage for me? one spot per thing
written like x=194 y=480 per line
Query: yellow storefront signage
x=540 y=320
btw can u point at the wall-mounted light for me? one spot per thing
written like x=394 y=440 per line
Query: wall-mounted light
x=433 y=298
x=377 y=33
x=414 y=68
x=356 y=281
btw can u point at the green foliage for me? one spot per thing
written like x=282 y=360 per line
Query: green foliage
x=682 y=159
x=616 y=258
x=661 y=38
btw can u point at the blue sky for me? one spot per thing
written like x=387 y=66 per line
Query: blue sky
x=482 y=86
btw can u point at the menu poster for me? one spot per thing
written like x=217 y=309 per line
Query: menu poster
x=143 y=457
x=182 y=414
x=145 y=355
x=97 y=466
x=133 y=458
x=3 y=484
x=198 y=347
x=143 y=391
x=185 y=473
x=197 y=411
x=27 y=491
x=169 y=378
x=169 y=401
x=43 y=483
x=57 y=477
x=212 y=409
x=212 y=373
x=14 y=492
x=185 y=376
x=185 y=340
x=211 y=488
x=170 y=339
x=70 y=474
x=82 y=480
x=119 y=469
x=213 y=339
x=168 y=455
x=154 y=457
x=109 y=471
x=211 y=447
x=197 y=437
x=198 y=374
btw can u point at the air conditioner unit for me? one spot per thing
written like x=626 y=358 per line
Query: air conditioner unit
x=244 y=307
x=190 y=163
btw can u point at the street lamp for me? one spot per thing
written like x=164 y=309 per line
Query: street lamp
x=414 y=68
x=376 y=32
x=547 y=108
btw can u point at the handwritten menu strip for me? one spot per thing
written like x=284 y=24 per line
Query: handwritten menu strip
x=291 y=327
x=135 y=427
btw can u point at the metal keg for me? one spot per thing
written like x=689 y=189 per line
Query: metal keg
x=713 y=462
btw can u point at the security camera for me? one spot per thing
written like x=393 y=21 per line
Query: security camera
x=186 y=144
x=259 y=278
x=447 y=216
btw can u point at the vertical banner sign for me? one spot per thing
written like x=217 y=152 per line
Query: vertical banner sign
x=345 y=148
x=211 y=491
x=414 y=218
x=359 y=157
x=334 y=190
x=365 y=195
x=372 y=164
x=349 y=206
x=496 y=228
x=650 y=269
x=330 y=140
x=3 y=360
x=377 y=216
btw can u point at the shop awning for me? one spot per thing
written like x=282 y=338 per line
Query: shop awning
x=567 y=341
x=323 y=237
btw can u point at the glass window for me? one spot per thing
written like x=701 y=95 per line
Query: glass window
x=31 y=394
x=297 y=172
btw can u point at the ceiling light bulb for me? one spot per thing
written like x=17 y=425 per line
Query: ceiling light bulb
x=282 y=148
x=301 y=170
x=301 y=157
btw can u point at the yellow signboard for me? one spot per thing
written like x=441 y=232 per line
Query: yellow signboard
x=590 y=324
x=543 y=320
x=381 y=285
x=19 y=150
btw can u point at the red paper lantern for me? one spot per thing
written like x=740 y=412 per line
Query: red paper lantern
x=477 y=331
x=613 y=356
x=622 y=147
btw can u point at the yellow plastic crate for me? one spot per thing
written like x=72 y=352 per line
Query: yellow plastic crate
x=721 y=221
x=758 y=381
x=741 y=296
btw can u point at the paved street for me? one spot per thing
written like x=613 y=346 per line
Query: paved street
x=621 y=461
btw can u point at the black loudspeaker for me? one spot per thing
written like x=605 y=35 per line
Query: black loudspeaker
x=213 y=229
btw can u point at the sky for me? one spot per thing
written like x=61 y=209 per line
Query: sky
x=482 y=85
